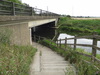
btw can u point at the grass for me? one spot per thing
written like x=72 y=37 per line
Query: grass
x=82 y=51
x=14 y=59
x=79 y=27
x=82 y=68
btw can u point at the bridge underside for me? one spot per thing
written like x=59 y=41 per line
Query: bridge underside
x=45 y=30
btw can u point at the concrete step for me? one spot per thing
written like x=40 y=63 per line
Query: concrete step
x=50 y=63
x=51 y=59
x=49 y=73
x=43 y=65
x=53 y=68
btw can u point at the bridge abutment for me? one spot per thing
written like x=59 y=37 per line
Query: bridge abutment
x=21 y=31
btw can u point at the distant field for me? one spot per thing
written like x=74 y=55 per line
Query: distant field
x=85 y=18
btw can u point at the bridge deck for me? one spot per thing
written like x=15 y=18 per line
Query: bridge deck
x=48 y=62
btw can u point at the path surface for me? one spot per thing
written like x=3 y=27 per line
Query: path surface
x=48 y=62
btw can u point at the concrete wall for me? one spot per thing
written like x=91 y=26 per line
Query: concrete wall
x=40 y=22
x=20 y=33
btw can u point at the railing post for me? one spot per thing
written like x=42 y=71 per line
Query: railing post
x=60 y=43
x=57 y=43
x=31 y=11
x=94 y=44
x=75 y=40
x=13 y=8
x=40 y=12
x=34 y=38
x=39 y=38
x=65 y=42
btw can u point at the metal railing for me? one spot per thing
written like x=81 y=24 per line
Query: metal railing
x=11 y=8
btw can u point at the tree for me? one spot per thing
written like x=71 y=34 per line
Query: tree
x=68 y=16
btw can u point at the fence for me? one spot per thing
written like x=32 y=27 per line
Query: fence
x=94 y=45
x=11 y=8
x=59 y=44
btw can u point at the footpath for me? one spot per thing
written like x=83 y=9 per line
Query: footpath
x=48 y=62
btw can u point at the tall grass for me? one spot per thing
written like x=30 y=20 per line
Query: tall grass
x=5 y=36
x=14 y=60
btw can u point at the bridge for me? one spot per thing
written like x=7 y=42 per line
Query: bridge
x=22 y=19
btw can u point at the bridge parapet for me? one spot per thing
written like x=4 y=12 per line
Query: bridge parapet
x=15 y=9
x=17 y=18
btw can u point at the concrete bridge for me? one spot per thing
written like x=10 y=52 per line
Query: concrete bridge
x=21 y=23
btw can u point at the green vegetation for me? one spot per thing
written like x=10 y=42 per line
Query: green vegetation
x=16 y=1
x=79 y=26
x=82 y=51
x=78 y=61
x=14 y=60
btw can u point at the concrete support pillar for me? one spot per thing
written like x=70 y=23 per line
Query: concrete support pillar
x=30 y=36
x=56 y=22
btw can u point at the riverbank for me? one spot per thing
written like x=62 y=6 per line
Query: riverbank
x=79 y=26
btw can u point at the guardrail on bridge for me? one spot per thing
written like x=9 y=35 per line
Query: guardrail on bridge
x=11 y=8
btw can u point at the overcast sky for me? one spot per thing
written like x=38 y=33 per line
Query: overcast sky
x=68 y=7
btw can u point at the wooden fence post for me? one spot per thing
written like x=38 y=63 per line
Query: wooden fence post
x=13 y=8
x=75 y=40
x=94 y=44
x=60 y=43
x=57 y=42
x=65 y=42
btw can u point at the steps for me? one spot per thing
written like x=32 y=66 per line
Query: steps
x=49 y=63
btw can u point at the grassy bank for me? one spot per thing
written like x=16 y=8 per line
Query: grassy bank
x=14 y=60
x=82 y=68
x=79 y=26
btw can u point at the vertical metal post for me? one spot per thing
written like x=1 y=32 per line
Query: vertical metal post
x=39 y=38
x=40 y=12
x=75 y=40
x=34 y=38
x=31 y=14
x=13 y=8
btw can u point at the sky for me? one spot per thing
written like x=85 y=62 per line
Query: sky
x=68 y=7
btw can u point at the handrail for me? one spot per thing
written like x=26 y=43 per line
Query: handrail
x=94 y=44
x=15 y=7
x=94 y=47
